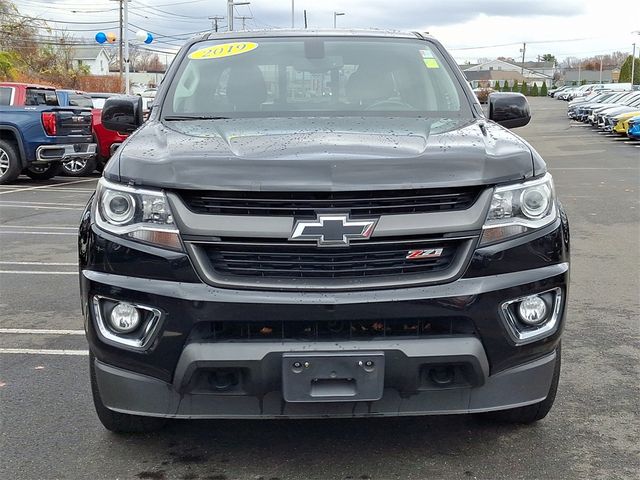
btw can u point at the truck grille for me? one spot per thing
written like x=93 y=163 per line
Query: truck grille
x=289 y=204
x=293 y=261
x=331 y=330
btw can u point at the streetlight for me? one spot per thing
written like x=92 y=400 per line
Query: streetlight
x=336 y=14
x=633 y=58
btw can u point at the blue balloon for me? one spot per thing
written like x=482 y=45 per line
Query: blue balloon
x=101 y=37
x=149 y=39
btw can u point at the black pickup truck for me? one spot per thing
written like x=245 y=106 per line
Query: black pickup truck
x=322 y=224
x=36 y=134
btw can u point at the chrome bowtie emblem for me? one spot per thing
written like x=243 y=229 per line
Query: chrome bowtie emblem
x=333 y=230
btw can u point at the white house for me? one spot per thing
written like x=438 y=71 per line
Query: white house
x=92 y=56
x=531 y=76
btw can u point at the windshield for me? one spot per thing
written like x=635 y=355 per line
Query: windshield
x=80 y=100
x=311 y=76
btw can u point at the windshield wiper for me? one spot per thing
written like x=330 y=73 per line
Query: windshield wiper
x=193 y=117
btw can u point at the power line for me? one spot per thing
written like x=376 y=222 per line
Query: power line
x=59 y=21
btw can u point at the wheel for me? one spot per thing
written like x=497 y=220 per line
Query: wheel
x=79 y=167
x=9 y=162
x=43 y=172
x=537 y=411
x=120 y=422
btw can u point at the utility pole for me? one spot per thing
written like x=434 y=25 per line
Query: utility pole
x=230 y=6
x=600 y=69
x=125 y=36
x=120 y=44
x=633 y=64
x=214 y=22
x=120 y=39
x=523 y=50
x=293 y=13
x=579 y=73
x=243 y=18
x=305 y=18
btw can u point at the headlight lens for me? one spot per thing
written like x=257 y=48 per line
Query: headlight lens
x=136 y=214
x=118 y=207
x=518 y=209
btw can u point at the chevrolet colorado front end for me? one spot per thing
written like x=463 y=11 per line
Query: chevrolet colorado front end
x=321 y=224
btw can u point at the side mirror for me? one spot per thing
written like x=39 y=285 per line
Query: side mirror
x=511 y=110
x=122 y=113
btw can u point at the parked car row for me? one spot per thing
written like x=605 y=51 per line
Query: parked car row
x=45 y=132
x=569 y=93
x=610 y=111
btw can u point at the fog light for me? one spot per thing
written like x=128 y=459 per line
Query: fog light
x=532 y=310
x=124 y=318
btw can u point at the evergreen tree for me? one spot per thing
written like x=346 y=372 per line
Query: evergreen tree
x=524 y=89
x=543 y=90
x=515 y=87
x=534 y=90
x=625 y=71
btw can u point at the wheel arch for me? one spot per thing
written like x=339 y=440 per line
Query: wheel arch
x=13 y=135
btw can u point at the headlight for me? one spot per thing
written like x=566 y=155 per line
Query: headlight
x=136 y=214
x=518 y=209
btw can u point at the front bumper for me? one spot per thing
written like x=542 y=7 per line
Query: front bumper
x=170 y=378
x=132 y=393
x=54 y=153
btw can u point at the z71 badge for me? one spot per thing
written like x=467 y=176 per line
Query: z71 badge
x=424 y=253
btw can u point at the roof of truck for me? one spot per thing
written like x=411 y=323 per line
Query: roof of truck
x=313 y=33
x=26 y=85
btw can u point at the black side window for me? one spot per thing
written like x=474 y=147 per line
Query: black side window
x=37 y=96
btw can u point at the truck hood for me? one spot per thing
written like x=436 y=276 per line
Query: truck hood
x=322 y=154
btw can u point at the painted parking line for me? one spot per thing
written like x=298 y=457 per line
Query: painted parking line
x=40 y=187
x=52 y=227
x=594 y=168
x=17 y=202
x=38 y=351
x=47 y=264
x=40 y=207
x=60 y=190
x=15 y=232
x=34 y=272
x=40 y=331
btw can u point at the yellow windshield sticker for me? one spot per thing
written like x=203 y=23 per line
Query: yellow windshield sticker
x=431 y=63
x=223 y=50
x=428 y=59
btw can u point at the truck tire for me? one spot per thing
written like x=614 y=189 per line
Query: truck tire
x=9 y=162
x=120 y=422
x=44 y=172
x=537 y=411
x=79 y=167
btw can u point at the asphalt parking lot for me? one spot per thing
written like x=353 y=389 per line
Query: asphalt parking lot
x=48 y=428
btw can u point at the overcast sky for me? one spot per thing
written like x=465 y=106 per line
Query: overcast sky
x=562 y=27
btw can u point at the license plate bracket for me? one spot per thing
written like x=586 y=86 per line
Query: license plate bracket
x=332 y=376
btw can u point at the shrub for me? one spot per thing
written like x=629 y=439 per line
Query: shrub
x=515 y=87
x=524 y=89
